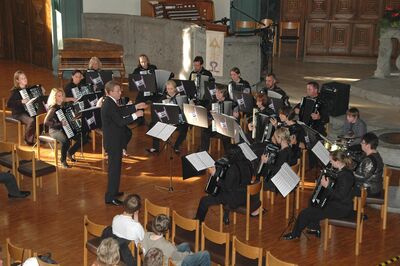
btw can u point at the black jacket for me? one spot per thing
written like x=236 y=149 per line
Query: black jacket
x=340 y=197
x=142 y=71
x=113 y=124
x=203 y=71
x=15 y=102
x=369 y=173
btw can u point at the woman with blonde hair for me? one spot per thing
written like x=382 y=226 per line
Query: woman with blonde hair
x=108 y=253
x=94 y=63
x=56 y=102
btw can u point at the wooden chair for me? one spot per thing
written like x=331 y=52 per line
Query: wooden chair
x=217 y=244
x=103 y=152
x=28 y=165
x=351 y=222
x=245 y=27
x=16 y=254
x=273 y=261
x=296 y=169
x=252 y=189
x=246 y=251
x=185 y=230
x=289 y=26
x=7 y=156
x=383 y=199
x=4 y=113
x=95 y=230
x=43 y=137
x=42 y=263
x=153 y=210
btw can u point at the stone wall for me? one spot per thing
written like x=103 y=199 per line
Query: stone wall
x=162 y=41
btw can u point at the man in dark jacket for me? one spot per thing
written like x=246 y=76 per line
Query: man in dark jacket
x=114 y=130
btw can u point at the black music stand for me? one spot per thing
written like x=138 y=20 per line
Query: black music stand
x=87 y=101
x=195 y=115
x=164 y=131
x=186 y=87
x=245 y=101
x=194 y=164
x=162 y=76
x=225 y=125
x=144 y=83
x=39 y=104
x=166 y=113
x=311 y=135
x=276 y=100
x=91 y=120
x=98 y=78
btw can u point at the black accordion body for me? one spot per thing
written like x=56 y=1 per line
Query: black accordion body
x=73 y=125
x=320 y=195
x=308 y=106
x=36 y=104
x=213 y=184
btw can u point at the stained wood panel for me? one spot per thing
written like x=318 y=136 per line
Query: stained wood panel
x=317 y=38
x=292 y=10
x=21 y=30
x=318 y=9
x=370 y=9
x=339 y=41
x=362 y=43
x=344 y=9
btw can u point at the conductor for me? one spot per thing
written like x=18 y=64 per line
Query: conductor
x=113 y=134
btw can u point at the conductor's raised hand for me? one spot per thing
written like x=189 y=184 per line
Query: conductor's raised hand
x=139 y=113
x=141 y=106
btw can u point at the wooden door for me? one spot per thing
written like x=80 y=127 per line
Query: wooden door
x=21 y=30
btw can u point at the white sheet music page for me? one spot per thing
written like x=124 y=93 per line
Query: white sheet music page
x=285 y=180
x=201 y=160
x=321 y=152
x=250 y=155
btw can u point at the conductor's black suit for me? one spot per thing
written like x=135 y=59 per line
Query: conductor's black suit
x=114 y=127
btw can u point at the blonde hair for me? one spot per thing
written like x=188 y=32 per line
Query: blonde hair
x=171 y=83
x=108 y=252
x=93 y=60
x=343 y=158
x=51 y=101
x=16 y=76
x=283 y=133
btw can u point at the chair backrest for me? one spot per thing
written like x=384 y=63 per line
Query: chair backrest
x=246 y=251
x=215 y=237
x=244 y=24
x=186 y=224
x=26 y=156
x=7 y=147
x=273 y=261
x=16 y=254
x=154 y=210
x=42 y=263
x=266 y=22
x=91 y=228
x=296 y=167
x=254 y=189
x=290 y=25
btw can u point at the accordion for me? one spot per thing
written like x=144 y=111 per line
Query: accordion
x=72 y=125
x=78 y=92
x=213 y=183
x=36 y=104
x=262 y=127
x=320 y=195
x=308 y=106
x=225 y=107
x=271 y=150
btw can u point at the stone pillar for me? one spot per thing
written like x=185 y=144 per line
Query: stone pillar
x=385 y=51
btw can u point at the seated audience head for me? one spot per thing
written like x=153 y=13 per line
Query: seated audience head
x=108 y=252
x=340 y=159
x=281 y=135
x=56 y=97
x=20 y=79
x=312 y=89
x=76 y=76
x=94 y=63
x=221 y=93
x=160 y=224
x=113 y=89
x=198 y=62
x=153 y=257
x=369 y=142
x=261 y=100
x=132 y=203
x=235 y=74
x=144 y=61
x=170 y=86
x=270 y=80
x=286 y=114
x=352 y=115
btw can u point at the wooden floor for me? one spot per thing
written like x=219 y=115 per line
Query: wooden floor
x=55 y=223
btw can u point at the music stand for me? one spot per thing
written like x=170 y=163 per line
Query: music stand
x=245 y=101
x=162 y=76
x=144 y=83
x=39 y=104
x=166 y=113
x=87 y=101
x=91 y=120
x=285 y=181
x=311 y=135
x=164 y=131
x=225 y=125
x=276 y=100
x=196 y=115
x=186 y=87
x=194 y=164
x=321 y=152
x=98 y=78
x=209 y=90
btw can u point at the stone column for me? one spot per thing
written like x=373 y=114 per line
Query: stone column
x=385 y=51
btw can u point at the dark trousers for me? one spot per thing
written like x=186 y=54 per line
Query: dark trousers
x=60 y=136
x=182 y=133
x=80 y=140
x=114 y=173
x=127 y=137
x=204 y=204
x=310 y=217
x=30 y=127
x=11 y=184
x=207 y=134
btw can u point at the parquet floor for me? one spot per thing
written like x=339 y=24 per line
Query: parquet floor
x=55 y=223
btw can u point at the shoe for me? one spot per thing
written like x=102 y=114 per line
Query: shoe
x=65 y=165
x=256 y=215
x=124 y=153
x=119 y=194
x=22 y=194
x=365 y=217
x=152 y=150
x=177 y=151
x=315 y=232
x=114 y=202
x=71 y=157
x=226 y=218
x=289 y=236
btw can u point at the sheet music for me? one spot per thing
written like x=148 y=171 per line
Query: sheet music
x=250 y=155
x=274 y=94
x=161 y=131
x=321 y=152
x=201 y=160
x=285 y=180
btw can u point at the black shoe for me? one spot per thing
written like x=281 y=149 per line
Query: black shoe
x=315 y=232
x=365 y=217
x=119 y=194
x=114 y=202
x=226 y=218
x=65 y=165
x=22 y=194
x=71 y=157
x=152 y=150
x=289 y=236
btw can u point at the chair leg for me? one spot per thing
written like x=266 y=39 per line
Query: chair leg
x=357 y=240
x=93 y=141
x=234 y=217
x=297 y=49
x=221 y=213
x=247 y=225
x=34 y=187
x=272 y=198
x=330 y=231
x=384 y=221
x=85 y=255
x=297 y=198
x=326 y=234
x=57 y=191
x=287 y=206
